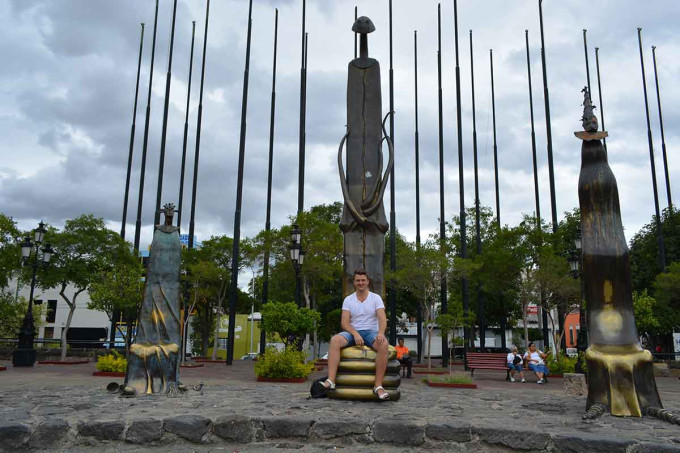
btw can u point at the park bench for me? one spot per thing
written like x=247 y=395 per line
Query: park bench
x=490 y=361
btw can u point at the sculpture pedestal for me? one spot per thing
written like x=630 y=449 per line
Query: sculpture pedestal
x=356 y=375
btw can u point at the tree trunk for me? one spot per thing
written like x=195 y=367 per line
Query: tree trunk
x=71 y=311
x=526 y=327
x=429 y=345
x=216 y=333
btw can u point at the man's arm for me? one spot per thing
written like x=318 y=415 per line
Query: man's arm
x=382 y=325
x=346 y=325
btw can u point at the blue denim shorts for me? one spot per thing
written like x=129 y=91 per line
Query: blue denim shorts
x=367 y=335
x=517 y=367
x=539 y=368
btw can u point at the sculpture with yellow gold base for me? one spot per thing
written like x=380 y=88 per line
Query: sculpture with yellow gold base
x=356 y=375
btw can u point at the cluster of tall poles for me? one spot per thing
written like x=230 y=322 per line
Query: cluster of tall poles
x=481 y=315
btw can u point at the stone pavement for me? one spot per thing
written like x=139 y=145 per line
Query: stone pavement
x=53 y=407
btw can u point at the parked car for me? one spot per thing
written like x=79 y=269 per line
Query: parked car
x=250 y=356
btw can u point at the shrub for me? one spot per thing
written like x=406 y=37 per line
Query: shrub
x=115 y=363
x=288 y=363
x=562 y=364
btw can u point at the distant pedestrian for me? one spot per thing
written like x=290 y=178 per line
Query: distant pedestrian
x=403 y=356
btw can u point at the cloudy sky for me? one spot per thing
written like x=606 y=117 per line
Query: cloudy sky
x=68 y=82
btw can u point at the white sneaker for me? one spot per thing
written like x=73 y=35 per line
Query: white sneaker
x=523 y=381
x=540 y=381
x=512 y=379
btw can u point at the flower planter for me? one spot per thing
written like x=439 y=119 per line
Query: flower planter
x=425 y=371
x=59 y=362
x=108 y=373
x=3 y=368
x=209 y=361
x=192 y=365
x=293 y=380
x=451 y=385
x=555 y=376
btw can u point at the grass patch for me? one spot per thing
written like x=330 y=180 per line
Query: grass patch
x=450 y=379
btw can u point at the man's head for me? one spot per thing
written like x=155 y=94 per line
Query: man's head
x=400 y=341
x=360 y=280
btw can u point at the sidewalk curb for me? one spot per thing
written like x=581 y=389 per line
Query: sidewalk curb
x=51 y=434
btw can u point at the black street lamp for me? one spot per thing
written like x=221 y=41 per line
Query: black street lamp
x=575 y=265
x=24 y=355
x=297 y=256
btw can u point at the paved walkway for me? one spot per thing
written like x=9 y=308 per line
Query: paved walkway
x=65 y=407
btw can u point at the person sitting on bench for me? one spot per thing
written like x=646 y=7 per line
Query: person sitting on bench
x=403 y=356
x=363 y=322
x=515 y=364
x=536 y=363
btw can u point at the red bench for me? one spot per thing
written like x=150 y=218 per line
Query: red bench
x=487 y=361
x=491 y=361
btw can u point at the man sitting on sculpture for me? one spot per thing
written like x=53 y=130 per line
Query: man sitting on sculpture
x=363 y=322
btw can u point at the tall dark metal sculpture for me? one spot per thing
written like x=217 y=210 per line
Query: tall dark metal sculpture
x=142 y=171
x=198 y=130
x=533 y=135
x=548 y=128
x=303 y=116
x=233 y=293
x=168 y=79
x=663 y=137
x=478 y=234
x=657 y=220
x=442 y=212
x=363 y=220
x=153 y=361
x=132 y=137
x=585 y=52
x=620 y=372
x=419 y=310
x=186 y=130
x=393 y=216
x=267 y=223
x=461 y=187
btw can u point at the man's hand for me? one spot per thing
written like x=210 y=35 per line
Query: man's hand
x=358 y=340
x=380 y=339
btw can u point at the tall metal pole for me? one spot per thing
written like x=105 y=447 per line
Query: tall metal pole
x=461 y=185
x=161 y=163
x=585 y=52
x=663 y=138
x=180 y=208
x=116 y=313
x=239 y=196
x=198 y=130
x=419 y=315
x=495 y=145
x=142 y=171
x=599 y=90
x=393 y=218
x=548 y=127
x=533 y=136
x=303 y=88
x=267 y=223
x=662 y=251
x=132 y=138
x=442 y=212
x=478 y=233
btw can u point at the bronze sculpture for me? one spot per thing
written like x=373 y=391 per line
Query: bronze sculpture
x=363 y=218
x=620 y=372
x=153 y=361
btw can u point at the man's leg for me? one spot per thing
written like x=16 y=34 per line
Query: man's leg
x=380 y=362
x=337 y=343
x=409 y=365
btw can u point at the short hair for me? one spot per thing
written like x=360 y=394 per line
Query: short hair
x=400 y=339
x=514 y=348
x=360 y=271
x=531 y=344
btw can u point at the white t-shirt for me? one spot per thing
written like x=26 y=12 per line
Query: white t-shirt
x=362 y=315
x=511 y=357
x=535 y=356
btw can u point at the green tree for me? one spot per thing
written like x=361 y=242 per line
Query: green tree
x=645 y=308
x=644 y=249
x=288 y=321
x=84 y=249
x=667 y=294
x=119 y=289
x=12 y=314
x=10 y=252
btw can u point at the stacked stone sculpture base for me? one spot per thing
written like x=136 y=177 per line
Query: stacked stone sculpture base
x=356 y=375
